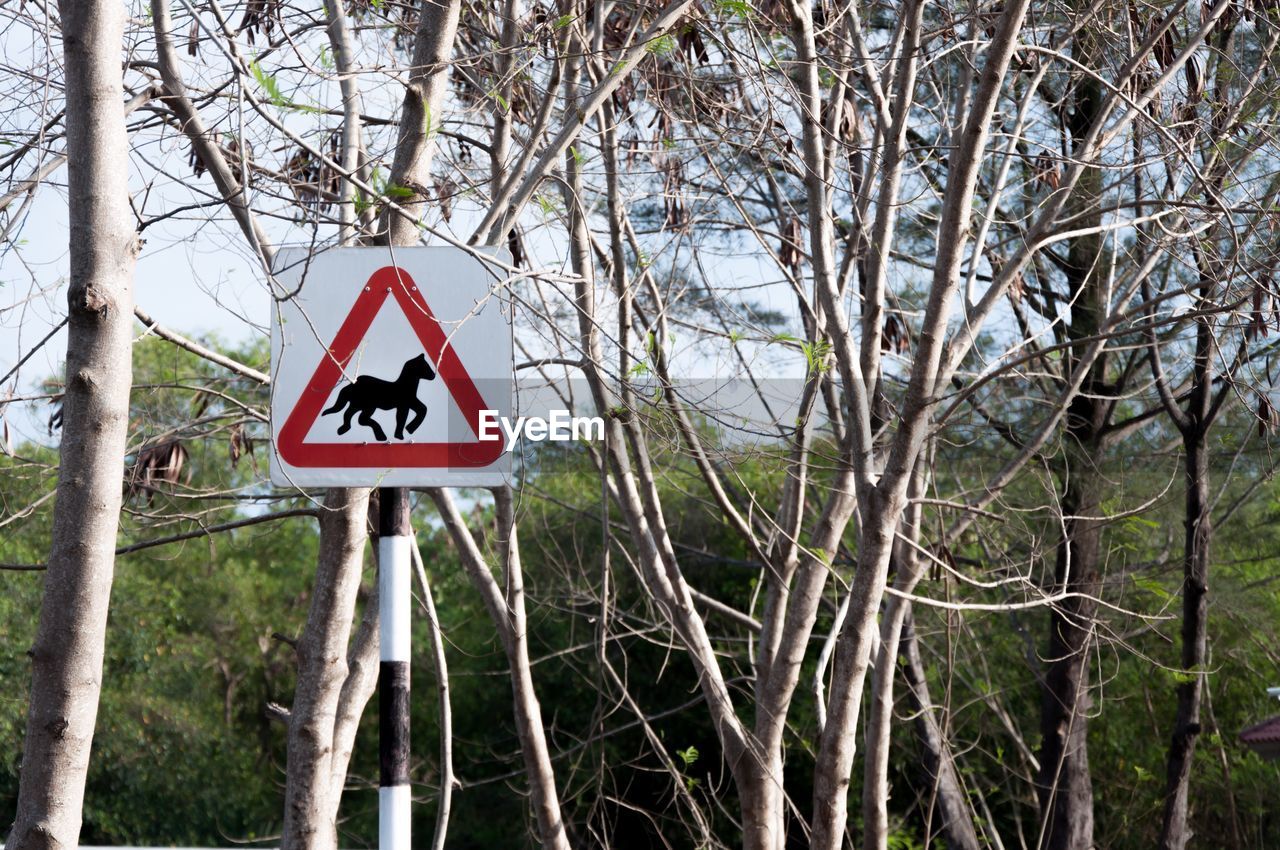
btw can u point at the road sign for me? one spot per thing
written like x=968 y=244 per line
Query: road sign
x=383 y=362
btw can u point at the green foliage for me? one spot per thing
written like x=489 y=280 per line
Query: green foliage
x=734 y=8
x=398 y=193
x=816 y=356
x=662 y=45
x=182 y=753
x=271 y=87
x=548 y=205
x=383 y=189
x=268 y=84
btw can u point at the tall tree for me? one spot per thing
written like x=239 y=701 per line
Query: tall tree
x=1230 y=273
x=1064 y=785
x=66 y=660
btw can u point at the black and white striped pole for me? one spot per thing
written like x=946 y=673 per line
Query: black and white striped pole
x=394 y=797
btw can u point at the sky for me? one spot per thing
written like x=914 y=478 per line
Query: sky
x=188 y=278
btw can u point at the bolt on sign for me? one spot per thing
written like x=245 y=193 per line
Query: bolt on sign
x=383 y=362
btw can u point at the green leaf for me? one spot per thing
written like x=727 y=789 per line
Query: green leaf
x=268 y=84
x=662 y=45
x=816 y=354
x=1152 y=586
x=275 y=97
x=548 y=205
x=734 y=8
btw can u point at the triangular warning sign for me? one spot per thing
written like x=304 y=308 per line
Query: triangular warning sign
x=387 y=282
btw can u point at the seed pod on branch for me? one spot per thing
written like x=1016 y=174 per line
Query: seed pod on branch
x=1164 y=50
x=790 y=254
x=161 y=463
x=894 y=338
x=260 y=16
x=241 y=445
x=1267 y=415
x=1258 y=315
x=1195 y=79
x=445 y=189
x=516 y=246
x=1047 y=175
x=196 y=163
x=692 y=46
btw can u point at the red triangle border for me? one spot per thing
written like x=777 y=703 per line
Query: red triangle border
x=389 y=281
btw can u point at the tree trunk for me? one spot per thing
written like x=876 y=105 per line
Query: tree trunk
x=1202 y=409
x=880 y=504
x=66 y=675
x=362 y=679
x=953 y=804
x=909 y=566
x=528 y=713
x=1064 y=785
x=875 y=775
x=420 y=115
x=311 y=792
x=853 y=653
x=1174 y=832
x=505 y=605
x=763 y=801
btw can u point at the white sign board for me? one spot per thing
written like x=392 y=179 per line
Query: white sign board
x=383 y=362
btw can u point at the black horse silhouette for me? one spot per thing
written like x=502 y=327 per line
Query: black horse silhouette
x=368 y=394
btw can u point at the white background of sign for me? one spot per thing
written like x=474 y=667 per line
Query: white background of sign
x=460 y=291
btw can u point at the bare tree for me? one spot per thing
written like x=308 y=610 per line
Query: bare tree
x=317 y=759
x=1225 y=284
x=66 y=675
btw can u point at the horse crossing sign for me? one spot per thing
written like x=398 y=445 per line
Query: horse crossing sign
x=383 y=362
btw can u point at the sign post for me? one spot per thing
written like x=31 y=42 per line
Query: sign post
x=385 y=362
x=394 y=794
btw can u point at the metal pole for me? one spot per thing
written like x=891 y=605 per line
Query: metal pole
x=394 y=566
